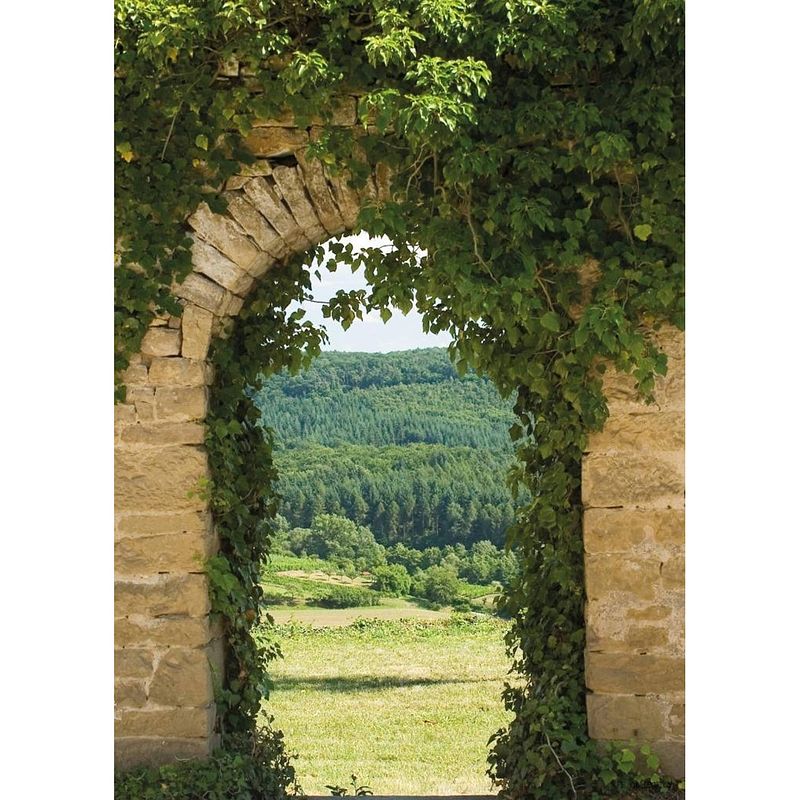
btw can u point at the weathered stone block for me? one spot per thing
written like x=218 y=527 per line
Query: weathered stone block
x=271 y=142
x=342 y=114
x=346 y=198
x=255 y=224
x=163 y=479
x=143 y=399
x=669 y=393
x=196 y=332
x=181 y=404
x=633 y=479
x=622 y=717
x=161 y=342
x=151 y=524
x=170 y=552
x=179 y=372
x=383 y=182
x=216 y=658
x=619 y=673
x=124 y=414
x=677 y=720
x=623 y=530
x=164 y=594
x=632 y=639
x=135 y=375
x=626 y=432
x=292 y=188
x=160 y=631
x=610 y=573
x=649 y=613
x=200 y=291
x=133 y=663
x=154 y=751
x=321 y=196
x=263 y=196
x=226 y=236
x=129 y=694
x=158 y=434
x=233 y=304
x=183 y=678
x=672 y=755
x=173 y=722
x=673 y=573
x=235 y=182
x=220 y=268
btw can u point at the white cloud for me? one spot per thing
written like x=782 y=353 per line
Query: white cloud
x=370 y=334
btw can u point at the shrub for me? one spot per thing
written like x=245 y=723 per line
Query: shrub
x=346 y=597
x=391 y=579
x=343 y=542
x=439 y=585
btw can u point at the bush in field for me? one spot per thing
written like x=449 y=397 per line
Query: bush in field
x=439 y=585
x=346 y=597
x=406 y=556
x=391 y=579
x=341 y=540
x=486 y=563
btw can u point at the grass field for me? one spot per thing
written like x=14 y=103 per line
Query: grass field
x=405 y=705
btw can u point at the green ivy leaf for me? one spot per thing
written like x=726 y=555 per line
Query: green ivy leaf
x=550 y=321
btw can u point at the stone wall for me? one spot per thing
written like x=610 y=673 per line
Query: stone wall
x=169 y=652
x=633 y=495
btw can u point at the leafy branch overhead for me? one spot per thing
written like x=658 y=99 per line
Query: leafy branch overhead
x=537 y=216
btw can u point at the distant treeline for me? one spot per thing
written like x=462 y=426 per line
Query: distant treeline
x=397 y=442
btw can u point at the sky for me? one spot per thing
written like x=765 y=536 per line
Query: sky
x=371 y=334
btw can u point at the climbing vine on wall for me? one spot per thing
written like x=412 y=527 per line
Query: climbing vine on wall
x=536 y=211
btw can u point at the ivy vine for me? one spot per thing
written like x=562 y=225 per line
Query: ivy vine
x=536 y=213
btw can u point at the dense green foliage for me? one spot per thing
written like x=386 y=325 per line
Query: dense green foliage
x=385 y=399
x=351 y=548
x=346 y=597
x=421 y=495
x=340 y=541
x=391 y=579
x=397 y=442
x=258 y=768
x=439 y=584
x=525 y=137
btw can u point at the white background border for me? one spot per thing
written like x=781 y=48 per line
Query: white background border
x=57 y=328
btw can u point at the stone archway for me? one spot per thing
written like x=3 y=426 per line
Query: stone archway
x=167 y=649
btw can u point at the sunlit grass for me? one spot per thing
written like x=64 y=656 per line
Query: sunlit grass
x=408 y=707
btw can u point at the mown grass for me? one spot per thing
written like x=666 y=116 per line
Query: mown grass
x=407 y=706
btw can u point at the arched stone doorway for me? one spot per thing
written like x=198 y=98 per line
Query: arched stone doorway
x=168 y=651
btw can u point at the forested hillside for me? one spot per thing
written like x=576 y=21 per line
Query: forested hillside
x=397 y=442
